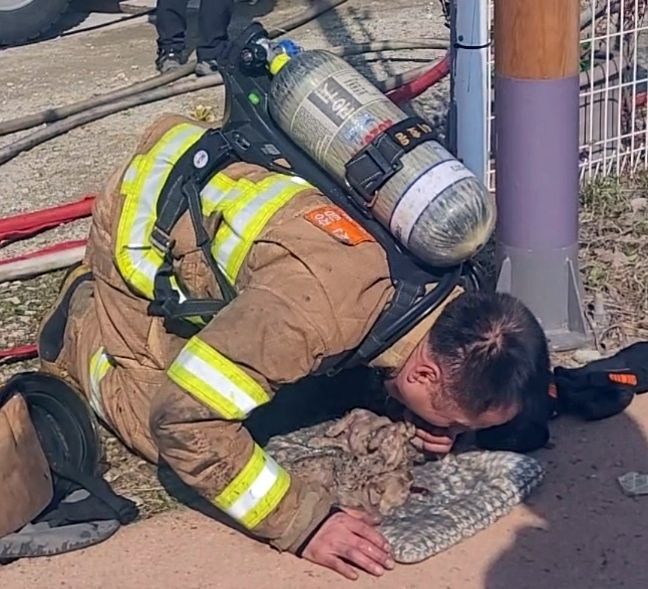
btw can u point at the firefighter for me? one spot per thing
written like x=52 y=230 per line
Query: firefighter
x=171 y=24
x=310 y=283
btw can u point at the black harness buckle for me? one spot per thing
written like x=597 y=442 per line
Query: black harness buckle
x=370 y=169
x=161 y=241
x=372 y=166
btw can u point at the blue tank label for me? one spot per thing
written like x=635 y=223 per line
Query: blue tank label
x=354 y=132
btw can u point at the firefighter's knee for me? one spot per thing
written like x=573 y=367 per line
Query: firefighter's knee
x=175 y=420
x=159 y=416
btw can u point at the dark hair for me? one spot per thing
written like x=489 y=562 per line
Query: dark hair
x=492 y=352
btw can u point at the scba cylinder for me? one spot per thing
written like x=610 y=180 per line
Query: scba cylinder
x=434 y=205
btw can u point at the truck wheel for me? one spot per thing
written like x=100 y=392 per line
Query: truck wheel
x=24 y=20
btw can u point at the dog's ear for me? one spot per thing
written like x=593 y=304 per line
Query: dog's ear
x=339 y=426
x=519 y=435
x=527 y=432
x=374 y=492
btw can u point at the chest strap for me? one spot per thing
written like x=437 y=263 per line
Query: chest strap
x=409 y=306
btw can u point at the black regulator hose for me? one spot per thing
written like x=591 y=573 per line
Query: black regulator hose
x=102 y=110
x=52 y=115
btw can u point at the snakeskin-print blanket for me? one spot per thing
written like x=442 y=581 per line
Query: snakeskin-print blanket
x=462 y=493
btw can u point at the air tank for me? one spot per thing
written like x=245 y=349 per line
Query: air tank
x=434 y=205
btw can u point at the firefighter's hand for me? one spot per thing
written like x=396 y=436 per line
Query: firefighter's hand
x=430 y=438
x=434 y=443
x=350 y=538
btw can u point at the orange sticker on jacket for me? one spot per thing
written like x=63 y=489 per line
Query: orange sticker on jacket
x=337 y=223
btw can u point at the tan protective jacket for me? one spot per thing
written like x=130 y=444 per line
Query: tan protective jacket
x=25 y=477
x=310 y=285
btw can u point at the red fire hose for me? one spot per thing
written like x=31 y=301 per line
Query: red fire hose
x=18 y=353
x=55 y=257
x=29 y=224
x=416 y=87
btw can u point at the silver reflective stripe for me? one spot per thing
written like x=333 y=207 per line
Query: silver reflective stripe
x=256 y=491
x=99 y=366
x=131 y=173
x=215 y=381
x=153 y=184
x=259 y=488
x=136 y=259
x=241 y=221
x=214 y=197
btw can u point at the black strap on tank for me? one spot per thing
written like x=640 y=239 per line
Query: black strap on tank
x=379 y=160
x=181 y=192
x=367 y=172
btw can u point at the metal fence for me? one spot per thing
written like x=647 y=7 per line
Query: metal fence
x=614 y=89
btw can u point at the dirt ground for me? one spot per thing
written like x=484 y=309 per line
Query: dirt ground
x=578 y=532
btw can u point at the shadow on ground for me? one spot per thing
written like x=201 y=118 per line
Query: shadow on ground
x=592 y=536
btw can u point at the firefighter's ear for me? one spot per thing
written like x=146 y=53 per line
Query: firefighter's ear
x=423 y=369
x=427 y=373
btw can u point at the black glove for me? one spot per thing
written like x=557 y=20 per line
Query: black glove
x=604 y=387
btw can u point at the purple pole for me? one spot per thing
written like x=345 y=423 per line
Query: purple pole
x=537 y=131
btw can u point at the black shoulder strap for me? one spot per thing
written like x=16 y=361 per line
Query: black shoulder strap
x=250 y=134
x=181 y=192
x=408 y=307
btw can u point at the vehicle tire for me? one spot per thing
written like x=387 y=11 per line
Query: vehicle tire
x=24 y=20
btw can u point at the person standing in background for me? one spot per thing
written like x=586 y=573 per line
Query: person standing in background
x=171 y=23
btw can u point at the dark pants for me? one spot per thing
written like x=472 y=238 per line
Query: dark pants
x=214 y=18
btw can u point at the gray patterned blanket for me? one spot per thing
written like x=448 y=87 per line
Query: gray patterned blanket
x=427 y=506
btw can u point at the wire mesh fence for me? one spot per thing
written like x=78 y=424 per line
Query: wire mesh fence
x=613 y=89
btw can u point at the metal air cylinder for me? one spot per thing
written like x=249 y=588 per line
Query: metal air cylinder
x=434 y=205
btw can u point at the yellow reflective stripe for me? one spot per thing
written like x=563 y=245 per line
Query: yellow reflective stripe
x=215 y=381
x=130 y=176
x=256 y=491
x=136 y=259
x=245 y=217
x=99 y=366
x=245 y=206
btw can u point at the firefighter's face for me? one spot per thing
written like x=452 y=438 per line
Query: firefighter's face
x=419 y=386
